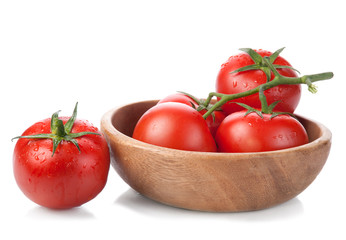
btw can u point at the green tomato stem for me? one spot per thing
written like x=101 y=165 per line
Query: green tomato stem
x=278 y=80
x=60 y=132
x=263 y=100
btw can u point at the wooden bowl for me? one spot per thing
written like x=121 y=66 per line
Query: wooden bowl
x=217 y=182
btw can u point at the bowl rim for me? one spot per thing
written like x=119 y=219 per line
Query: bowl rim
x=107 y=125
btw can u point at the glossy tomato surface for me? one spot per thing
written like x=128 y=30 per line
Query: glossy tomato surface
x=175 y=125
x=212 y=122
x=67 y=179
x=251 y=133
x=179 y=98
x=231 y=83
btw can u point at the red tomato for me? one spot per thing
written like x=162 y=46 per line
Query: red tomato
x=231 y=83
x=68 y=178
x=175 y=125
x=212 y=122
x=180 y=98
x=251 y=133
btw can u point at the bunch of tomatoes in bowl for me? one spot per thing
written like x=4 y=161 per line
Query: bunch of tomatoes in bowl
x=256 y=94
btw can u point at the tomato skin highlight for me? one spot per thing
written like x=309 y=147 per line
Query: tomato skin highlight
x=213 y=123
x=175 y=125
x=67 y=179
x=251 y=133
x=232 y=83
x=179 y=98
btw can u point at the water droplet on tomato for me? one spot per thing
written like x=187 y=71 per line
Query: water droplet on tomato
x=235 y=83
x=245 y=85
x=293 y=134
x=250 y=124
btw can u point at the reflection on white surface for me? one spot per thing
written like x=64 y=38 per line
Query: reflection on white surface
x=143 y=205
x=78 y=213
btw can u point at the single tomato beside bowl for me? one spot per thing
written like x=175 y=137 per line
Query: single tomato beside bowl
x=61 y=162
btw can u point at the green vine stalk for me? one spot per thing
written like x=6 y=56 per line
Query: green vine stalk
x=277 y=80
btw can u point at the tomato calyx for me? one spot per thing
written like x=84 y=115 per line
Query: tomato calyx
x=269 y=110
x=265 y=108
x=202 y=105
x=261 y=64
x=60 y=132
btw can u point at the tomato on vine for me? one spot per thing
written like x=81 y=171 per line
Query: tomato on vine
x=252 y=130
x=179 y=97
x=254 y=133
x=213 y=121
x=175 y=125
x=176 y=122
x=248 y=70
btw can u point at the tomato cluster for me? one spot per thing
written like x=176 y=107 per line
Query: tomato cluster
x=177 y=120
x=64 y=162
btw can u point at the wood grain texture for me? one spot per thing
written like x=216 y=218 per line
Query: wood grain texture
x=217 y=182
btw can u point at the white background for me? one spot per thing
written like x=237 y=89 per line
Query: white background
x=107 y=53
